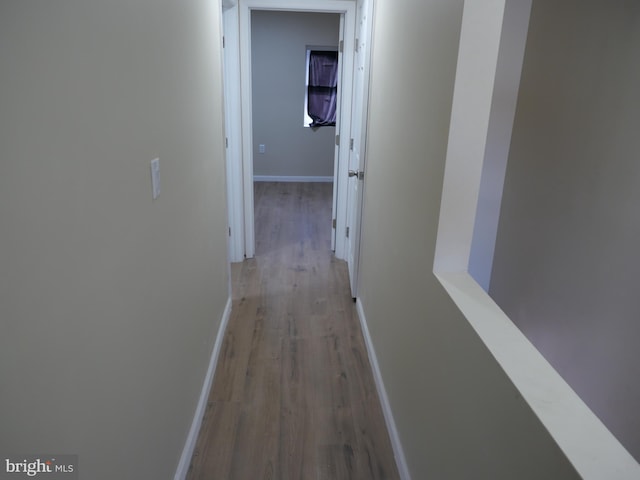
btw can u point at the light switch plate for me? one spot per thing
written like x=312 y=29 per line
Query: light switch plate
x=155 y=177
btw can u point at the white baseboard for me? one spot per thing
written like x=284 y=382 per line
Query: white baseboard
x=398 y=452
x=190 y=445
x=290 y=178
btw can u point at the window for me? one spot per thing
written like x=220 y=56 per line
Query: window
x=322 y=87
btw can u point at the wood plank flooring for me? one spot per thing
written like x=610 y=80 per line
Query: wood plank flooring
x=293 y=396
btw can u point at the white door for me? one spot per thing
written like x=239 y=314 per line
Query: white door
x=336 y=153
x=364 y=14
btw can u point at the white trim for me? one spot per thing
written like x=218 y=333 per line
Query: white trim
x=192 y=437
x=347 y=9
x=398 y=452
x=290 y=178
x=491 y=29
x=247 y=127
x=498 y=141
x=233 y=132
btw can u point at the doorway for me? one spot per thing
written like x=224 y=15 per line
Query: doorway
x=240 y=156
x=285 y=148
x=356 y=33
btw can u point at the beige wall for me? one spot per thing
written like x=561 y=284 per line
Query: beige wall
x=457 y=414
x=278 y=55
x=109 y=301
x=566 y=266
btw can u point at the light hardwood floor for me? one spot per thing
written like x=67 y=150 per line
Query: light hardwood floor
x=293 y=396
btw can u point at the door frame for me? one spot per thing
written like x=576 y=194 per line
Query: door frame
x=358 y=154
x=240 y=167
x=233 y=130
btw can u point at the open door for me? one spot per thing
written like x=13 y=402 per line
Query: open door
x=364 y=16
x=336 y=152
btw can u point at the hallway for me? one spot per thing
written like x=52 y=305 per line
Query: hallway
x=293 y=396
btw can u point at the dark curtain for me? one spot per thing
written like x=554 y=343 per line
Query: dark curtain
x=323 y=87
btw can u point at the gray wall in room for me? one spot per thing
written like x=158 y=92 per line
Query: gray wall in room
x=109 y=301
x=278 y=53
x=566 y=267
x=457 y=414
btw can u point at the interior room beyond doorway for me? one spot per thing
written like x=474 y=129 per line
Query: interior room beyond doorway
x=283 y=148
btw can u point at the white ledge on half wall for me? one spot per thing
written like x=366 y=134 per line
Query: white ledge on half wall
x=584 y=439
x=492 y=44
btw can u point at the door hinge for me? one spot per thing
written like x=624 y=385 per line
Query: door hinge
x=223 y=42
x=347 y=232
x=351 y=144
x=341 y=47
x=337 y=139
x=333 y=223
x=226 y=142
x=229 y=231
x=357 y=44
